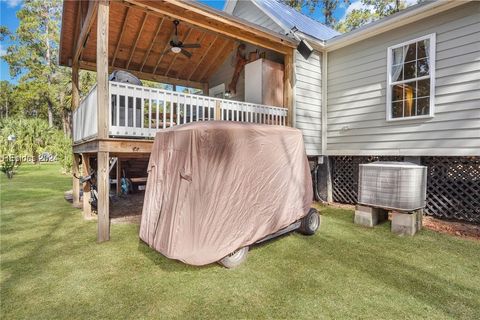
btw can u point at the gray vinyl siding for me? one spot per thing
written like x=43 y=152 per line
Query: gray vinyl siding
x=249 y=11
x=357 y=77
x=308 y=101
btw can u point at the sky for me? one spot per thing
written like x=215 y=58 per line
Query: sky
x=9 y=8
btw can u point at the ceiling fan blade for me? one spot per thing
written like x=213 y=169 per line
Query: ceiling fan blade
x=191 y=45
x=167 y=51
x=186 y=53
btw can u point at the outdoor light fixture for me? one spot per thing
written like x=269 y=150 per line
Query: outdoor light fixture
x=176 y=49
x=227 y=94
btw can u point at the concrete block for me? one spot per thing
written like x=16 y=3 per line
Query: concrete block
x=368 y=216
x=407 y=223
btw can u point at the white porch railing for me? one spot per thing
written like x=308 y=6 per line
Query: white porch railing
x=137 y=111
x=85 y=117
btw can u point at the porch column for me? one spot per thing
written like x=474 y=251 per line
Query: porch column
x=103 y=183
x=103 y=186
x=288 y=86
x=76 y=157
x=87 y=209
x=76 y=183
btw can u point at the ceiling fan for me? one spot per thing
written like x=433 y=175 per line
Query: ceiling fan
x=177 y=46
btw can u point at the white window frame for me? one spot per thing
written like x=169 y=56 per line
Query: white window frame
x=432 y=49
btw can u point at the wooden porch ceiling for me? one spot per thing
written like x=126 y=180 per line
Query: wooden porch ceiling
x=139 y=35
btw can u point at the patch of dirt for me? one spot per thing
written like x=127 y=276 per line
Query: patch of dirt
x=455 y=228
x=127 y=209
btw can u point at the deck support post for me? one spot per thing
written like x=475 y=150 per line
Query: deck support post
x=218 y=111
x=288 y=87
x=103 y=189
x=87 y=209
x=102 y=69
x=76 y=183
x=76 y=157
x=103 y=183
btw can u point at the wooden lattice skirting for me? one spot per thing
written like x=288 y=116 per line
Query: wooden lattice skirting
x=453 y=184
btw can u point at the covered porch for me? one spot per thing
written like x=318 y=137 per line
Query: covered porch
x=119 y=120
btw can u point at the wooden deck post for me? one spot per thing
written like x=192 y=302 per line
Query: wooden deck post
x=103 y=183
x=76 y=157
x=76 y=183
x=218 y=111
x=288 y=87
x=103 y=189
x=87 y=209
x=102 y=69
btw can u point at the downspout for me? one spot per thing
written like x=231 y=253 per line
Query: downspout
x=324 y=107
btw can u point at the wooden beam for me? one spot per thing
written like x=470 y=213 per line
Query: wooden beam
x=75 y=88
x=148 y=76
x=220 y=23
x=214 y=60
x=202 y=59
x=76 y=183
x=147 y=54
x=115 y=146
x=103 y=185
x=78 y=28
x=86 y=147
x=132 y=51
x=288 y=86
x=124 y=26
x=162 y=53
x=177 y=54
x=188 y=66
x=87 y=208
x=102 y=69
x=126 y=146
x=86 y=26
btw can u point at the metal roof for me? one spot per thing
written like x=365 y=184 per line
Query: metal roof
x=288 y=18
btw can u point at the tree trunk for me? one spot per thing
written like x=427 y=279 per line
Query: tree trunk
x=50 y=113
x=48 y=59
x=67 y=123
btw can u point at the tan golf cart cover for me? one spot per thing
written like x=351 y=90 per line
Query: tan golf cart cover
x=214 y=187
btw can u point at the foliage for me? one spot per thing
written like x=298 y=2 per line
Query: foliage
x=33 y=135
x=6 y=98
x=62 y=148
x=328 y=7
x=7 y=166
x=372 y=10
x=33 y=57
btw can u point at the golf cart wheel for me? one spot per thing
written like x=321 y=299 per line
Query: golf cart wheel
x=235 y=258
x=310 y=223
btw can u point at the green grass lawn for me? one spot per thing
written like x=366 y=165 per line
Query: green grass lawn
x=51 y=267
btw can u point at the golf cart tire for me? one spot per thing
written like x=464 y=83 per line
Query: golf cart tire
x=235 y=259
x=310 y=223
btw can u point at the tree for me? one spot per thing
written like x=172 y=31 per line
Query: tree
x=6 y=98
x=328 y=7
x=33 y=54
x=372 y=10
